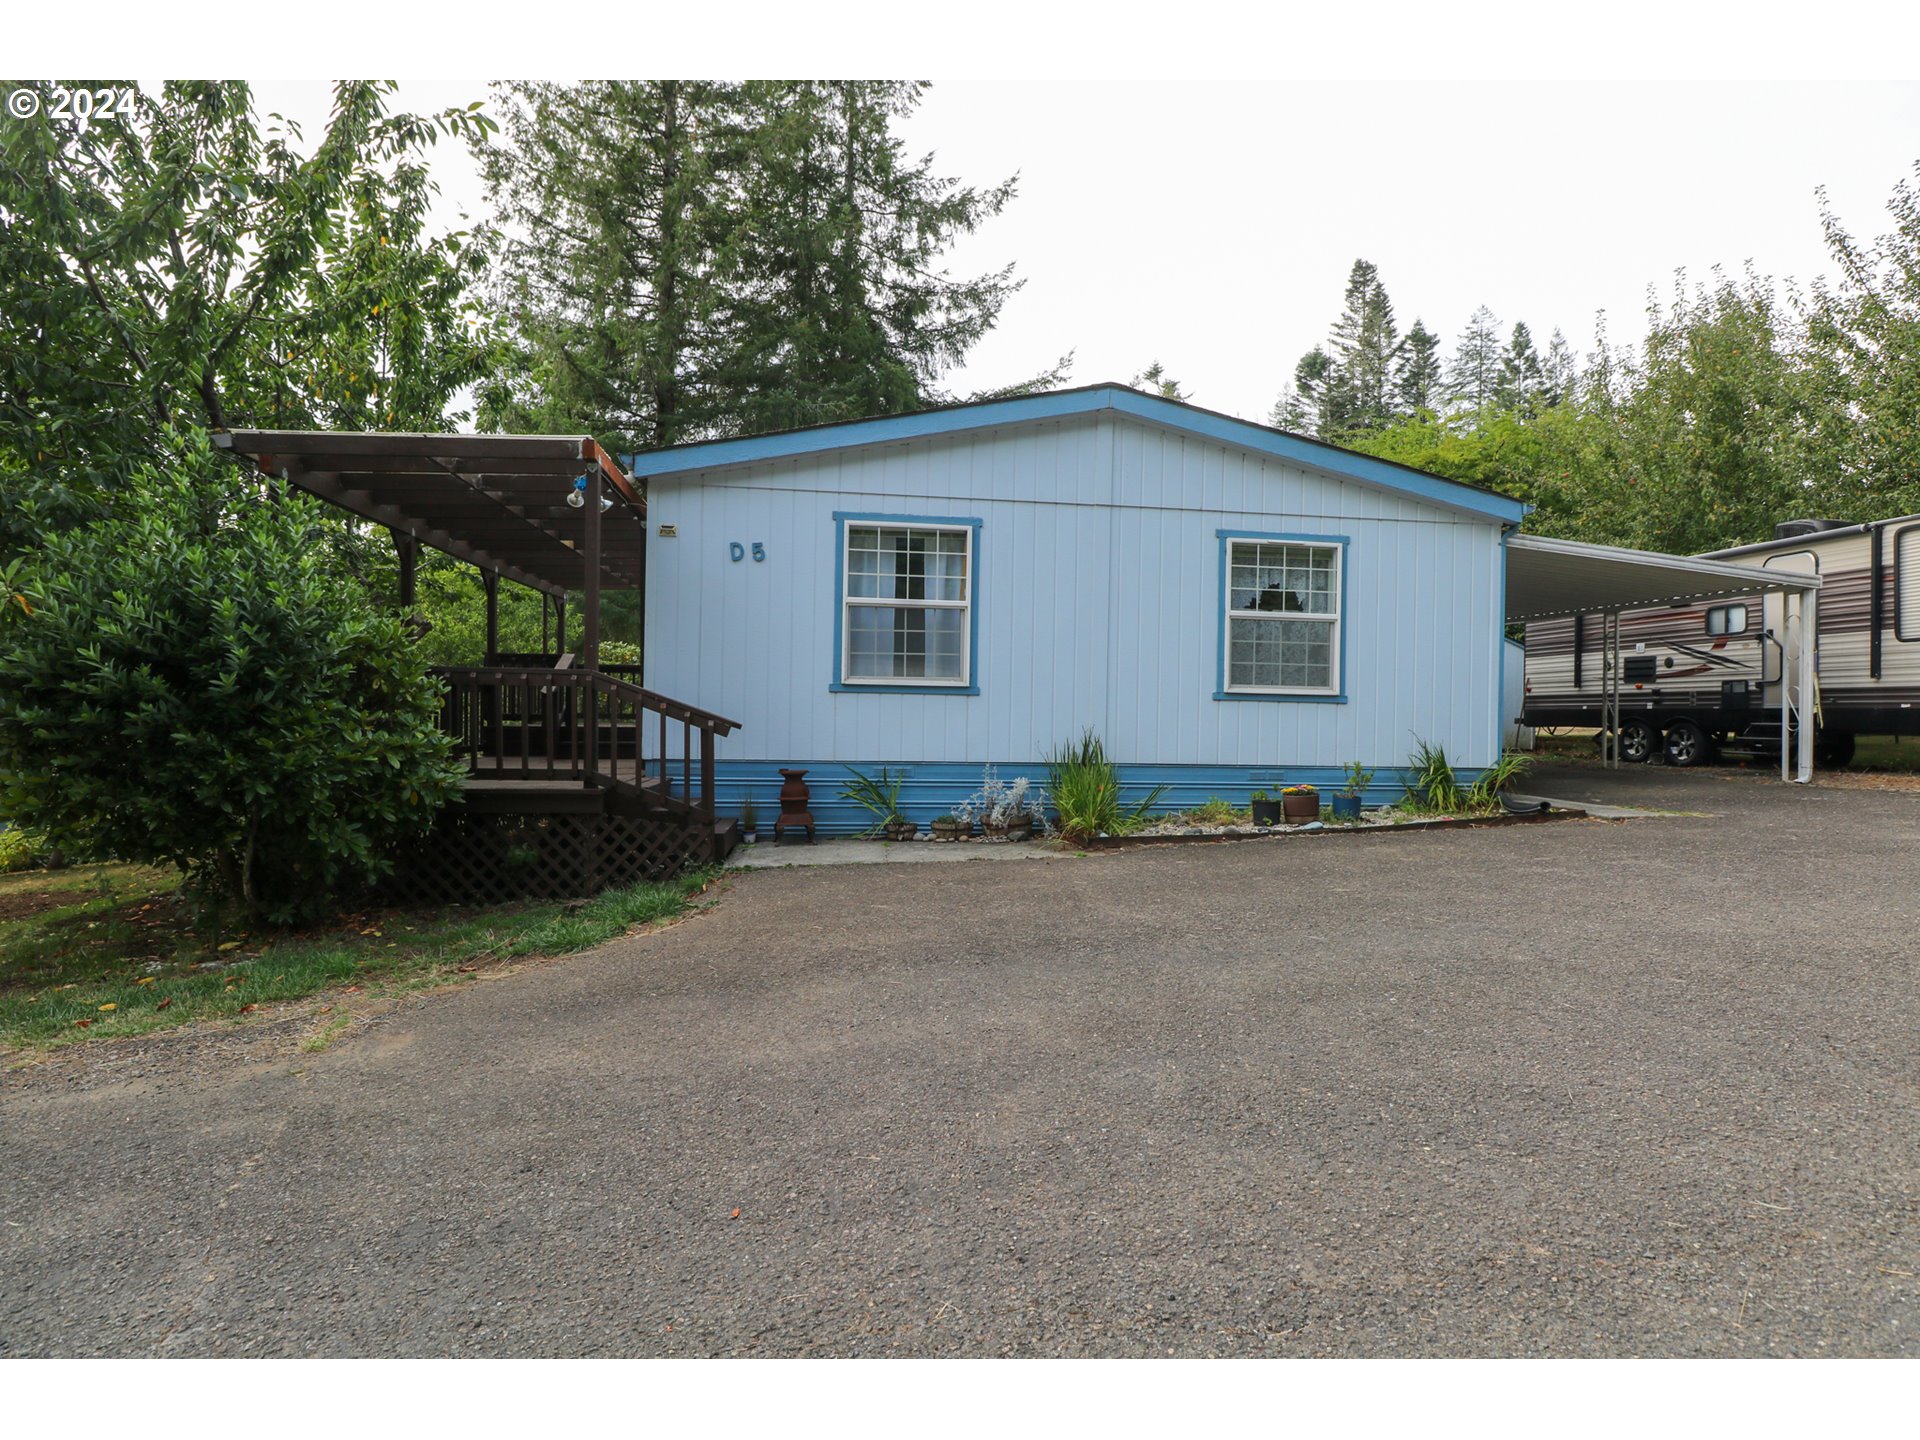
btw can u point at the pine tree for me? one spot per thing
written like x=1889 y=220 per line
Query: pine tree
x=1474 y=375
x=1560 y=372
x=1155 y=381
x=1417 y=376
x=1366 y=345
x=1521 y=380
x=1323 y=403
x=845 y=308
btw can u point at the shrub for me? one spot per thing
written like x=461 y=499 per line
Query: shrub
x=1086 y=791
x=1359 y=777
x=1484 y=793
x=16 y=850
x=194 y=682
x=1432 y=787
x=879 y=797
x=998 y=804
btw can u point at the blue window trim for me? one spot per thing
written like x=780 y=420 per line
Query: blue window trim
x=1220 y=690
x=839 y=686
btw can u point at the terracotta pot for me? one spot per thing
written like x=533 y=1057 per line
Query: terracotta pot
x=1301 y=809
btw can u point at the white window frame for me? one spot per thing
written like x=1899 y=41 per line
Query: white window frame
x=849 y=600
x=1333 y=621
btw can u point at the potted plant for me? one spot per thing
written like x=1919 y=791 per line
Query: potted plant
x=1300 y=804
x=881 y=798
x=1346 y=805
x=1266 y=811
x=749 y=821
x=1005 y=810
x=951 y=827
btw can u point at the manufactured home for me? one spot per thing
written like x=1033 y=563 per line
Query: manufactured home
x=1232 y=608
x=1703 y=677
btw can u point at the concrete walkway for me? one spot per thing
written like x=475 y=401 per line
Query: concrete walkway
x=843 y=851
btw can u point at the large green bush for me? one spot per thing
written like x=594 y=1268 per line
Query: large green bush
x=190 y=680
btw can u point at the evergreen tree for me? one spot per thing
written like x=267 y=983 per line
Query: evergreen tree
x=1417 y=375
x=1560 y=372
x=1474 y=375
x=1521 y=379
x=1366 y=346
x=613 y=211
x=1155 y=381
x=843 y=305
x=1321 y=403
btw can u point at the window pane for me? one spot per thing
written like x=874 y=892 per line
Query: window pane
x=904 y=643
x=1280 y=654
x=1283 y=578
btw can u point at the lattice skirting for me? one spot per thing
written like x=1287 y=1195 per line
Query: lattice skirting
x=480 y=859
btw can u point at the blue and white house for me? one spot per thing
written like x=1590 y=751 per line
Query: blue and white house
x=1231 y=607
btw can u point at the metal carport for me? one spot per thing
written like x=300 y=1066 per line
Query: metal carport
x=1550 y=579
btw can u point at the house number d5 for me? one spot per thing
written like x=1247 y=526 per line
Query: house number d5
x=739 y=551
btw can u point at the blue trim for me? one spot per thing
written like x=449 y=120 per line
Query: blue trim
x=1500 y=644
x=932 y=788
x=1092 y=400
x=1220 y=690
x=839 y=686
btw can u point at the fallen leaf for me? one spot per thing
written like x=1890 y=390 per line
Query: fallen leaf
x=164 y=1003
x=248 y=1008
x=144 y=980
x=736 y=1214
x=230 y=945
x=109 y=1006
x=82 y=1024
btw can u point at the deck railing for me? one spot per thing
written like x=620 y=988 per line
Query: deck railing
x=517 y=722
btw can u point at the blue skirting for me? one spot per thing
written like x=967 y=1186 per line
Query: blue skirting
x=931 y=789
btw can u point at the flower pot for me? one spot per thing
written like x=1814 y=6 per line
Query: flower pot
x=1266 y=812
x=1346 y=807
x=1301 y=809
x=898 y=829
x=1020 y=829
x=951 y=829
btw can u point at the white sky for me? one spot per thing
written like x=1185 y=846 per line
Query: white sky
x=1196 y=181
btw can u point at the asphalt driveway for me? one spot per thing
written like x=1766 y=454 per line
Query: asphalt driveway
x=1566 y=1089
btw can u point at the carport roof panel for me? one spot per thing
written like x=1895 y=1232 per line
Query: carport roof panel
x=496 y=501
x=1547 y=579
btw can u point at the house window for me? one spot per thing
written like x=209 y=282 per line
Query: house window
x=1727 y=620
x=908 y=605
x=1283 y=618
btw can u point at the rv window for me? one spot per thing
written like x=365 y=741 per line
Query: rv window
x=908 y=601
x=1727 y=620
x=1906 y=571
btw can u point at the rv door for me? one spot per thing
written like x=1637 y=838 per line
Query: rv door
x=1781 y=641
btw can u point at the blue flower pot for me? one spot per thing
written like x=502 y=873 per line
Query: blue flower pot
x=1346 y=807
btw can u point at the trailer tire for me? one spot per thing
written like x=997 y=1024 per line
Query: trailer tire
x=1833 y=748
x=1687 y=744
x=1639 y=739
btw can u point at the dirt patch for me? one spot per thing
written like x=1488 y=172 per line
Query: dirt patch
x=22 y=903
x=1851 y=780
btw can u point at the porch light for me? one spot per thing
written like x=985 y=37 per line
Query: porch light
x=577 y=497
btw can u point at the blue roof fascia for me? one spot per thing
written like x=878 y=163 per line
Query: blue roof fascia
x=1331 y=460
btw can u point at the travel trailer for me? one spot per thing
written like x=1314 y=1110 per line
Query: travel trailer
x=1701 y=679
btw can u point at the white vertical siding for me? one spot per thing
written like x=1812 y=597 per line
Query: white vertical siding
x=1099 y=592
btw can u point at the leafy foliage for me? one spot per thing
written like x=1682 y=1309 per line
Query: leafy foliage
x=192 y=266
x=1085 y=788
x=1432 y=787
x=195 y=685
x=879 y=796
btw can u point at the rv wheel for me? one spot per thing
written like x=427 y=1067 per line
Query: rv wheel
x=1833 y=748
x=1687 y=744
x=1638 y=740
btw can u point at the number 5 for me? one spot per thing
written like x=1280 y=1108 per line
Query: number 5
x=759 y=550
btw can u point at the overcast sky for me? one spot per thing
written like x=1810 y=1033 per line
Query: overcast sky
x=1204 y=211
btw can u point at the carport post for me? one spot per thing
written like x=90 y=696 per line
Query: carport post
x=1809 y=629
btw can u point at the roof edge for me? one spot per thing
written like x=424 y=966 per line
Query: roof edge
x=1110 y=397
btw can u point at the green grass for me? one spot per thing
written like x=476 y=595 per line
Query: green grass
x=119 y=936
x=1215 y=812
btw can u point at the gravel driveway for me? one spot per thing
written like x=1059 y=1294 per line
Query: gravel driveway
x=1565 y=1089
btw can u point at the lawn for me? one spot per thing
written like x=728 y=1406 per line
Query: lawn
x=108 y=950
